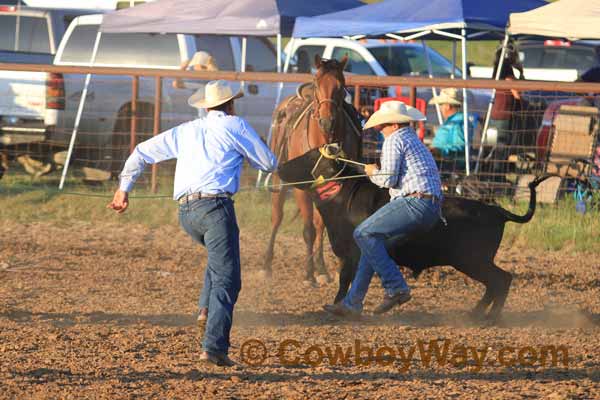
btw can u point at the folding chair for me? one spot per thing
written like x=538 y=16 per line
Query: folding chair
x=573 y=143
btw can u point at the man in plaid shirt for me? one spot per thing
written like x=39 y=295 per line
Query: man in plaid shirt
x=409 y=171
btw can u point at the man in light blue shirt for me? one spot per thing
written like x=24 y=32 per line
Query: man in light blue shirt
x=210 y=152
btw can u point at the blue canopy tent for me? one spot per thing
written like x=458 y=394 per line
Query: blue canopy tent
x=478 y=18
x=411 y=19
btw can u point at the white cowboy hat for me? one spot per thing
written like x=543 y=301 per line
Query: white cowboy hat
x=394 y=111
x=214 y=94
x=451 y=96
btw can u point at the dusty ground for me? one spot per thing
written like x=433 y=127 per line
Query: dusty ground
x=108 y=311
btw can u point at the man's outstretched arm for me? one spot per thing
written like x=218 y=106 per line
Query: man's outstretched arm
x=159 y=148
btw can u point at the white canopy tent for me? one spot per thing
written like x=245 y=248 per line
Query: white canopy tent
x=570 y=19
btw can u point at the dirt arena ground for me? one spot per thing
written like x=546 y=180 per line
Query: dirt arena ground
x=108 y=310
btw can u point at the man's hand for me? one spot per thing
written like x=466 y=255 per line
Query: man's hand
x=371 y=169
x=120 y=202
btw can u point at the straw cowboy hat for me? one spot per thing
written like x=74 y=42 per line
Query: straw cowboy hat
x=203 y=61
x=451 y=96
x=394 y=111
x=214 y=94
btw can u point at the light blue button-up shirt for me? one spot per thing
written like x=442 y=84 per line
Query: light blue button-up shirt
x=209 y=151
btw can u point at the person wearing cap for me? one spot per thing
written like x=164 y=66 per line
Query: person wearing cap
x=409 y=171
x=201 y=61
x=591 y=75
x=209 y=152
x=448 y=144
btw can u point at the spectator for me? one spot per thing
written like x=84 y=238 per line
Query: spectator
x=448 y=145
x=592 y=100
x=506 y=103
x=201 y=61
x=592 y=75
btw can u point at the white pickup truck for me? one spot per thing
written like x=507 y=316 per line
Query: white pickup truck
x=103 y=138
x=551 y=60
x=29 y=101
x=383 y=58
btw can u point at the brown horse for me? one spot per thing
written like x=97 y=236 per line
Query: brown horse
x=316 y=115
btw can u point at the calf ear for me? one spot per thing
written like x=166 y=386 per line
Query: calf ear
x=318 y=60
x=343 y=62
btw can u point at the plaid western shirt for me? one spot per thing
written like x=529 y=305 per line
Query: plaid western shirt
x=407 y=166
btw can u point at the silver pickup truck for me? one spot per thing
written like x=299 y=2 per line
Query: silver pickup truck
x=29 y=101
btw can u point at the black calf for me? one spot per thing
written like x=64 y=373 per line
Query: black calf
x=468 y=242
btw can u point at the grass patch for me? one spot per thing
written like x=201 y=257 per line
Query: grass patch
x=554 y=227
x=557 y=227
x=25 y=200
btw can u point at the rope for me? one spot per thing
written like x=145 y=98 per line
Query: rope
x=242 y=189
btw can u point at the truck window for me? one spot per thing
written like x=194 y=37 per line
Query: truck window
x=579 y=58
x=80 y=44
x=405 y=60
x=139 y=49
x=356 y=63
x=33 y=34
x=128 y=3
x=260 y=55
x=219 y=47
x=305 y=57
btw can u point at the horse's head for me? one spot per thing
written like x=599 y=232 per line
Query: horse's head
x=329 y=95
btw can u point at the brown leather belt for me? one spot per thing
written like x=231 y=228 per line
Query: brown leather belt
x=195 y=196
x=420 y=195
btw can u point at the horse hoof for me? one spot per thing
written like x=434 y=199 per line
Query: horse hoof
x=323 y=279
x=263 y=274
x=476 y=315
x=309 y=283
x=491 y=320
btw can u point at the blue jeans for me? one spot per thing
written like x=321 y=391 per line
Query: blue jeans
x=212 y=223
x=398 y=219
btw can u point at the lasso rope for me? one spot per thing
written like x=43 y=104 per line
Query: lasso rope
x=329 y=151
x=242 y=189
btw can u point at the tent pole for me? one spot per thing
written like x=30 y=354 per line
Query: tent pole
x=453 y=59
x=277 y=99
x=491 y=103
x=79 y=113
x=465 y=102
x=279 y=53
x=433 y=89
x=243 y=66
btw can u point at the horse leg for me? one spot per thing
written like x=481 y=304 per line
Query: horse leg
x=305 y=205
x=277 y=202
x=322 y=274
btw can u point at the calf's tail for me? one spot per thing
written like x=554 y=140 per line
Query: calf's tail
x=521 y=219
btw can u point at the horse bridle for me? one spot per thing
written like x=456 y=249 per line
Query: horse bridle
x=315 y=114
